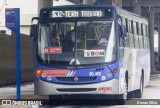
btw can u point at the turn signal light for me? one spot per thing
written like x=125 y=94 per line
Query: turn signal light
x=38 y=73
x=115 y=70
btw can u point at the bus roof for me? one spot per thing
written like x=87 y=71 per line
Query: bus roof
x=77 y=11
x=130 y=15
x=99 y=5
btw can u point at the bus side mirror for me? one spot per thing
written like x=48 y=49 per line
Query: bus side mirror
x=34 y=30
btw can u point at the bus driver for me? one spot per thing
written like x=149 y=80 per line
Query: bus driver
x=104 y=37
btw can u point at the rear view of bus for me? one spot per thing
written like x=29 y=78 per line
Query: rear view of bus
x=76 y=52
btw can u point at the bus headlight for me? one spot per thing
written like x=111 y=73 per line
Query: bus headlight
x=109 y=74
x=43 y=75
x=103 y=78
x=49 y=78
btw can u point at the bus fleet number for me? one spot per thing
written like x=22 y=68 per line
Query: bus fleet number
x=95 y=74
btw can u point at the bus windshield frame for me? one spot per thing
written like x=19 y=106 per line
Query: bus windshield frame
x=107 y=16
x=74 y=61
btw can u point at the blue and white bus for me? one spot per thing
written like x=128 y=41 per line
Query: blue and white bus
x=90 y=50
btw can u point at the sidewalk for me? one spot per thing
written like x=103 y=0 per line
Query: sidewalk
x=155 y=75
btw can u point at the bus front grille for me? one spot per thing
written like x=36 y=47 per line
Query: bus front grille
x=75 y=79
x=76 y=89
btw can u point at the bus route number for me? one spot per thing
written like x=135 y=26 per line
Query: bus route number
x=94 y=73
x=74 y=14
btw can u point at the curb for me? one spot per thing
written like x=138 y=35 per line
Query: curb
x=156 y=76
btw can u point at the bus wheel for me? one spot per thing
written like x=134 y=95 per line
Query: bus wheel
x=55 y=100
x=138 y=93
x=123 y=97
x=52 y=97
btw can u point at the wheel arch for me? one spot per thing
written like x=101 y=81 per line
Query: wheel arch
x=126 y=78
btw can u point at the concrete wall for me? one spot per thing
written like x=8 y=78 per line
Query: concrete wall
x=62 y=2
x=8 y=59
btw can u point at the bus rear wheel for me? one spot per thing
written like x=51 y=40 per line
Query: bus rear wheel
x=139 y=93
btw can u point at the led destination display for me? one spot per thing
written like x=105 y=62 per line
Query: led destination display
x=58 y=14
x=82 y=13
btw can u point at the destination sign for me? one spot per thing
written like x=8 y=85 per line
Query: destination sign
x=76 y=13
x=81 y=13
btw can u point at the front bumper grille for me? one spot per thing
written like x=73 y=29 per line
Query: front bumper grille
x=77 y=90
x=75 y=79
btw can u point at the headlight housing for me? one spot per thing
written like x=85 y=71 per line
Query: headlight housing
x=109 y=74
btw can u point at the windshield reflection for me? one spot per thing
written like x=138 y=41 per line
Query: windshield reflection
x=77 y=43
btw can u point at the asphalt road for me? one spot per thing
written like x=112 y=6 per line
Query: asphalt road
x=152 y=91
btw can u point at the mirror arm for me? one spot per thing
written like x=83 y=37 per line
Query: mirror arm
x=33 y=28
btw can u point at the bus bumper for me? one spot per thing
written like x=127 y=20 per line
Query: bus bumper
x=108 y=87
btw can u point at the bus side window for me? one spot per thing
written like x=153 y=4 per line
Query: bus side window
x=145 y=37
x=120 y=32
x=122 y=44
x=140 y=37
x=123 y=29
x=136 y=42
x=127 y=33
x=131 y=39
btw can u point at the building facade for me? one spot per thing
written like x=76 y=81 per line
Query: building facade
x=28 y=10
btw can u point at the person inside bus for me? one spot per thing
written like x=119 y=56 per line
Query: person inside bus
x=54 y=42
x=55 y=38
x=69 y=42
x=104 y=37
x=103 y=41
x=53 y=35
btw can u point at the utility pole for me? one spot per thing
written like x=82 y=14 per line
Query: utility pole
x=137 y=7
x=151 y=37
x=159 y=41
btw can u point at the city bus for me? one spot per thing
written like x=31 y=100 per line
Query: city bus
x=93 y=50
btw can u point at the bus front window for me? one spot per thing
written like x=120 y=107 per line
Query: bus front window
x=77 y=43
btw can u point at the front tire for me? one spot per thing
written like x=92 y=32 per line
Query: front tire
x=123 y=98
x=57 y=100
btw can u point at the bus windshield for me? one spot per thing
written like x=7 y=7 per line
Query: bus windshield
x=77 y=43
